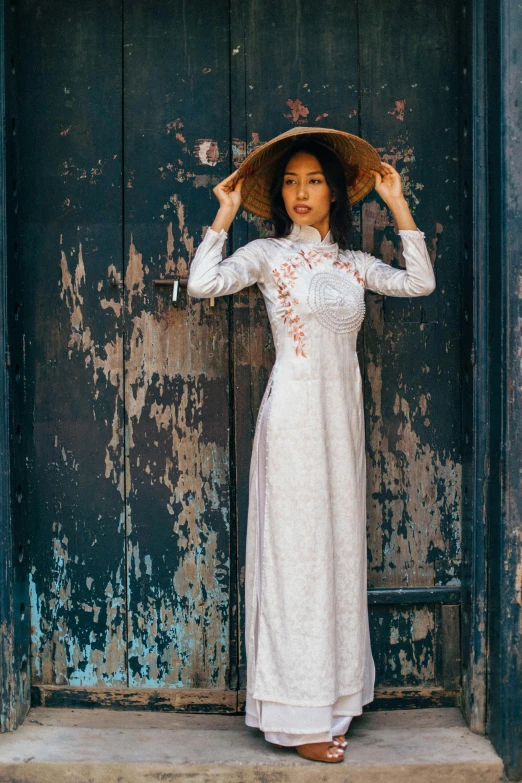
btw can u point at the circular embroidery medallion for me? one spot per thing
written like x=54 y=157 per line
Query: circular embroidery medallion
x=336 y=301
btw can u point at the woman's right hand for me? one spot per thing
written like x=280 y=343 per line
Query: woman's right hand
x=229 y=196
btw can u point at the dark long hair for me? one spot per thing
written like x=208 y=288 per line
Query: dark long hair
x=340 y=212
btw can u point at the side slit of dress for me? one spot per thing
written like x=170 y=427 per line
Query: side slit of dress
x=272 y=713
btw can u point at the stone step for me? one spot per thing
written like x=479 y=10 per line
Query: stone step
x=114 y=746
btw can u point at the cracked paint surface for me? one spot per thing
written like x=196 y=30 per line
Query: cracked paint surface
x=131 y=584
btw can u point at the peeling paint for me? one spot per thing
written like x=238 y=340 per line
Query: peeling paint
x=298 y=111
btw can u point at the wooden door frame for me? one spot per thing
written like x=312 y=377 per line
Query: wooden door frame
x=15 y=670
x=492 y=495
x=491 y=195
x=500 y=116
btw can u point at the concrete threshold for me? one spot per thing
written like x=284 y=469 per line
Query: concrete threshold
x=114 y=746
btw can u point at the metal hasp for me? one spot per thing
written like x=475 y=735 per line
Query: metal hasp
x=176 y=282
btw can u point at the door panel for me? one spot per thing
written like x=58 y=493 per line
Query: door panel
x=176 y=357
x=71 y=255
x=360 y=67
x=412 y=347
x=292 y=76
x=143 y=411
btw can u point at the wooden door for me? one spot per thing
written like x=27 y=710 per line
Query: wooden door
x=384 y=71
x=142 y=412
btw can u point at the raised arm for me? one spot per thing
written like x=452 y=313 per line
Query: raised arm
x=418 y=279
x=210 y=273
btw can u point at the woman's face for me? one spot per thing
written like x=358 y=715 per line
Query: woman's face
x=306 y=194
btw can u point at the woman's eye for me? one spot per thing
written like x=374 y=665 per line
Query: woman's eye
x=315 y=180
x=289 y=181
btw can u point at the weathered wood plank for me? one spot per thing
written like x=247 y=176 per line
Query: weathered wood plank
x=212 y=700
x=412 y=347
x=450 y=646
x=413 y=595
x=504 y=126
x=282 y=76
x=473 y=67
x=192 y=700
x=15 y=630
x=177 y=480
x=71 y=257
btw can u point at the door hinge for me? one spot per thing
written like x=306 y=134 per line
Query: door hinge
x=7 y=357
x=473 y=356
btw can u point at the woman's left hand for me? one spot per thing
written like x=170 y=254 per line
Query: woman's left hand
x=388 y=183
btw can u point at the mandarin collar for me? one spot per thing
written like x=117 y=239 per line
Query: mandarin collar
x=309 y=235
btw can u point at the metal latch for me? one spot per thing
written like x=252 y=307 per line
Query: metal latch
x=176 y=283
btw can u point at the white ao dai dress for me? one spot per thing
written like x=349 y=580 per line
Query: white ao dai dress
x=309 y=661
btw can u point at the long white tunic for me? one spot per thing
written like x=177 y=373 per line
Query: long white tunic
x=307 y=636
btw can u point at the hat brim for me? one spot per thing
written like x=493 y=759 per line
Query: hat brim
x=258 y=167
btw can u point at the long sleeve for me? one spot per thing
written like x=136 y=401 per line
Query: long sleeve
x=418 y=279
x=212 y=275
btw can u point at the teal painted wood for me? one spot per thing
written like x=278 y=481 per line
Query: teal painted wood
x=71 y=258
x=290 y=66
x=410 y=112
x=504 y=126
x=341 y=69
x=177 y=142
x=14 y=562
x=135 y=403
x=473 y=64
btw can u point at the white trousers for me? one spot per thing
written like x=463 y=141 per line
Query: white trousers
x=287 y=724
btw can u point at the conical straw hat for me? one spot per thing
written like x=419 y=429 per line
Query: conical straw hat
x=258 y=168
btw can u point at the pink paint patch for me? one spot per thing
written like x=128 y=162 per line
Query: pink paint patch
x=321 y=117
x=398 y=111
x=298 y=111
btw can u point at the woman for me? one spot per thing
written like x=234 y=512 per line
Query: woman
x=309 y=662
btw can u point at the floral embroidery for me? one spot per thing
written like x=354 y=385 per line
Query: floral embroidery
x=285 y=278
x=295 y=326
x=342 y=263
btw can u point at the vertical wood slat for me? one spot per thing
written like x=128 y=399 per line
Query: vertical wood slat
x=409 y=112
x=504 y=129
x=242 y=363
x=280 y=78
x=15 y=669
x=69 y=137
x=177 y=477
x=474 y=199
x=450 y=646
